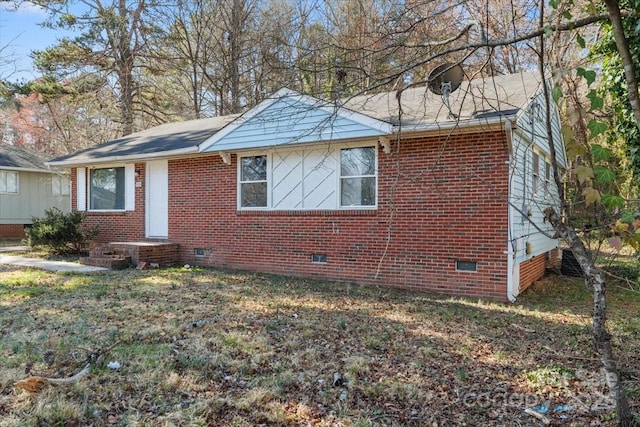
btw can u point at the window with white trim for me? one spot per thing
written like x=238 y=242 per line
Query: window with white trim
x=358 y=176
x=60 y=185
x=253 y=182
x=107 y=188
x=547 y=177
x=8 y=182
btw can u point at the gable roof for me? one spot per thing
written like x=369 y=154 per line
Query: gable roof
x=478 y=100
x=288 y=117
x=160 y=141
x=15 y=158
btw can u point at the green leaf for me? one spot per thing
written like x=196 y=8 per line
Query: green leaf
x=581 y=41
x=589 y=75
x=627 y=217
x=596 y=127
x=596 y=101
x=599 y=153
x=567 y=15
x=611 y=201
x=556 y=93
x=604 y=175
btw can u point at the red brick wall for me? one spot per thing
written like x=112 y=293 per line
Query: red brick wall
x=117 y=226
x=534 y=268
x=448 y=203
x=12 y=231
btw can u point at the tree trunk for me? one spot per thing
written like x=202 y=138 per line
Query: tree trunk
x=602 y=339
x=625 y=55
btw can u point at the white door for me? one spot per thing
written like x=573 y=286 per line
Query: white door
x=157 y=211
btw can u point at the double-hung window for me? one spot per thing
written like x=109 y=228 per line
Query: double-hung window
x=358 y=176
x=107 y=188
x=8 y=182
x=253 y=182
x=536 y=173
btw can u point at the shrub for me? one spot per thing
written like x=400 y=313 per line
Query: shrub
x=59 y=232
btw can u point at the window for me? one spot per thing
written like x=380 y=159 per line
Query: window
x=466 y=266
x=9 y=182
x=253 y=182
x=60 y=185
x=547 y=178
x=358 y=176
x=536 y=173
x=106 y=189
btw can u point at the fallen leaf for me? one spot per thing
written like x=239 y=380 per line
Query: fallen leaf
x=32 y=384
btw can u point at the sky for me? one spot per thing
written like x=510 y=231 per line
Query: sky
x=19 y=35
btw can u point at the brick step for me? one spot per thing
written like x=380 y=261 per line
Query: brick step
x=113 y=262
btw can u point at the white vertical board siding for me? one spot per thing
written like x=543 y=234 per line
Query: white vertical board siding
x=320 y=179
x=81 y=189
x=287 y=180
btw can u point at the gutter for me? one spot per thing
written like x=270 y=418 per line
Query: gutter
x=460 y=124
x=19 y=169
x=126 y=158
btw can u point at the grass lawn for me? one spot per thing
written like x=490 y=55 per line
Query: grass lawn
x=205 y=347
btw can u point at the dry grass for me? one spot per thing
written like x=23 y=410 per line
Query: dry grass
x=204 y=347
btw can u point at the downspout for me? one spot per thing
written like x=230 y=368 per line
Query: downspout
x=511 y=294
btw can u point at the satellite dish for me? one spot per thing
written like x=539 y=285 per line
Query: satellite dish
x=445 y=78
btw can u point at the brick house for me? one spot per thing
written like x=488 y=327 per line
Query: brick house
x=435 y=196
x=27 y=188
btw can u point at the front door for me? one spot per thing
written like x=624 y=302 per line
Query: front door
x=157 y=211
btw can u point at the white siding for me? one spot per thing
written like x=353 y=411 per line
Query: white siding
x=529 y=232
x=287 y=180
x=289 y=121
x=320 y=179
x=304 y=179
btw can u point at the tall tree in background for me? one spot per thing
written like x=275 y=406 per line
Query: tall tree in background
x=113 y=37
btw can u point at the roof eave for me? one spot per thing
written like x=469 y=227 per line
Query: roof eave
x=452 y=125
x=20 y=169
x=129 y=158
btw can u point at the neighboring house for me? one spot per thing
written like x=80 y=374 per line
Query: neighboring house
x=27 y=188
x=419 y=197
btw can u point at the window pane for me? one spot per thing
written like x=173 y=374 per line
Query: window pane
x=12 y=182
x=253 y=194
x=107 y=188
x=358 y=191
x=358 y=161
x=3 y=182
x=254 y=168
